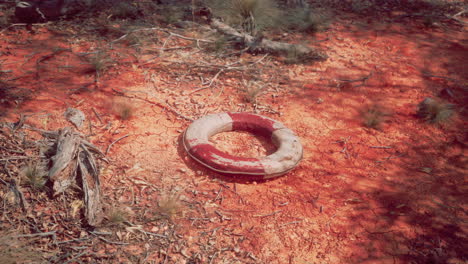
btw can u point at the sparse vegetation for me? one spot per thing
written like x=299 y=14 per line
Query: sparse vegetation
x=123 y=110
x=171 y=14
x=434 y=111
x=169 y=206
x=34 y=176
x=251 y=90
x=252 y=16
x=218 y=45
x=293 y=56
x=99 y=63
x=124 y=9
x=374 y=115
x=117 y=216
x=13 y=250
x=309 y=21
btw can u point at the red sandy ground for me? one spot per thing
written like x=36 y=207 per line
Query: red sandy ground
x=394 y=195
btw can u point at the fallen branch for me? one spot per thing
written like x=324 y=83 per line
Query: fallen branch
x=265 y=45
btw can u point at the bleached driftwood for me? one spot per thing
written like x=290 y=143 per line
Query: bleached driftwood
x=74 y=162
x=265 y=45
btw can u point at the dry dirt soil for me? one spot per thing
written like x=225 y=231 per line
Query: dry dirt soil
x=394 y=194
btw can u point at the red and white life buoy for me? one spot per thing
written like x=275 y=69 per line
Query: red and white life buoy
x=287 y=156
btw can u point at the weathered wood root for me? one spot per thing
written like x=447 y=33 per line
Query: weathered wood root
x=74 y=162
x=265 y=45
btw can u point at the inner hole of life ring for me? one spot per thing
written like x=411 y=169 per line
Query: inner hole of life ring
x=243 y=144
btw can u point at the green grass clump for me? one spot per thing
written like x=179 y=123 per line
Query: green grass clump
x=434 y=111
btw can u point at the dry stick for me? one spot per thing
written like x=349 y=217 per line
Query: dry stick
x=108 y=148
x=291 y=223
x=48 y=57
x=380 y=147
x=37 y=234
x=454 y=17
x=362 y=79
x=228 y=67
x=22 y=158
x=23 y=24
x=113 y=242
x=13 y=187
x=265 y=215
x=76 y=257
x=97 y=115
x=265 y=44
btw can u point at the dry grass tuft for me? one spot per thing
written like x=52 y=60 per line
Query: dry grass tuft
x=99 y=63
x=118 y=215
x=252 y=16
x=374 y=115
x=14 y=250
x=34 y=176
x=169 y=206
x=435 y=112
x=124 y=110
x=309 y=21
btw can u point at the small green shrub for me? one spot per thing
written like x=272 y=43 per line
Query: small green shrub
x=435 y=112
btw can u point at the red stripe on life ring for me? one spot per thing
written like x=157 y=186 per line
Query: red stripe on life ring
x=253 y=123
x=224 y=162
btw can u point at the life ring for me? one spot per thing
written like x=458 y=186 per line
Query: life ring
x=287 y=156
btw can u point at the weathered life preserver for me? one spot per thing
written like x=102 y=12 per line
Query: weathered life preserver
x=287 y=156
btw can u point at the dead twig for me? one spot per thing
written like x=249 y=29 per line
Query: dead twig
x=52 y=234
x=97 y=115
x=362 y=79
x=291 y=223
x=270 y=214
x=117 y=140
x=22 y=24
